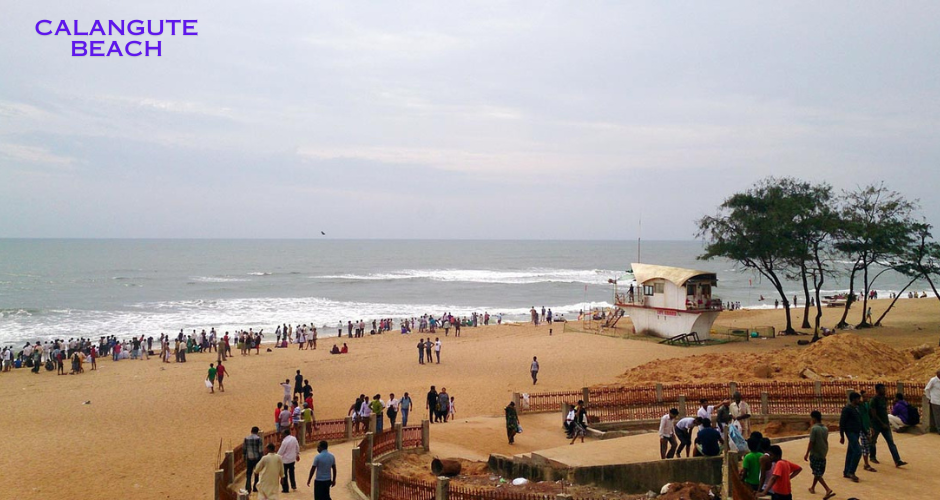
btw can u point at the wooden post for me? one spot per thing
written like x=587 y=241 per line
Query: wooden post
x=516 y=399
x=682 y=408
x=901 y=387
x=302 y=435
x=220 y=485
x=764 y=403
x=349 y=428
x=370 y=437
x=229 y=467
x=372 y=420
x=927 y=418
x=398 y=436
x=355 y=459
x=426 y=435
x=443 y=486
x=732 y=388
x=586 y=395
x=376 y=474
x=659 y=393
x=817 y=388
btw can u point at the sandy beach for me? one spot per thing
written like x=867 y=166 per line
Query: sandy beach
x=151 y=430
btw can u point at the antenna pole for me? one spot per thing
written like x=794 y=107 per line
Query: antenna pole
x=638 y=238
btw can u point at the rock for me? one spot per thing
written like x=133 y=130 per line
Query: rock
x=519 y=481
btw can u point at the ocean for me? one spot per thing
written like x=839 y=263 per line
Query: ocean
x=90 y=288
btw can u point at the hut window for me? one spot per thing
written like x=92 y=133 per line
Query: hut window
x=658 y=288
x=690 y=290
x=647 y=290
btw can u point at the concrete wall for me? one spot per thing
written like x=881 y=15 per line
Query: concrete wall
x=646 y=476
x=629 y=478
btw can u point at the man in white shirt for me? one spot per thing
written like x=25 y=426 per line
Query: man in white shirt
x=706 y=410
x=290 y=454
x=684 y=433
x=932 y=391
x=667 y=434
x=741 y=412
x=437 y=349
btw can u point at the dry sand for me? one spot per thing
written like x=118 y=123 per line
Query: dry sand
x=152 y=431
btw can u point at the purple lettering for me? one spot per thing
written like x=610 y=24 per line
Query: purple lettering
x=116 y=27
x=96 y=27
x=189 y=27
x=173 y=23
x=127 y=48
x=150 y=28
x=63 y=26
x=115 y=47
x=135 y=31
x=96 y=48
x=78 y=45
x=75 y=32
x=157 y=47
x=40 y=32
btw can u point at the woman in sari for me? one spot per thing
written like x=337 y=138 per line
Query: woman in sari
x=512 y=422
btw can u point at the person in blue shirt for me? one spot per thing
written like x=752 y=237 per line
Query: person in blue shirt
x=324 y=466
x=709 y=439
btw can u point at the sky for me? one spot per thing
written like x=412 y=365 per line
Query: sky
x=530 y=120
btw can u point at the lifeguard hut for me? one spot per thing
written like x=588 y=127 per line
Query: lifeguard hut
x=670 y=301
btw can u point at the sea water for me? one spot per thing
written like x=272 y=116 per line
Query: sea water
x=90 y=288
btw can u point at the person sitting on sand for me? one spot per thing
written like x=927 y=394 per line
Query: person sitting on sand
x=334 y=350
x=708 y=440
x=900 y=416
x=345 y=349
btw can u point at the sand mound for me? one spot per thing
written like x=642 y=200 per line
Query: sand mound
x=842 y=356
x=921 y=351
x=924 y=368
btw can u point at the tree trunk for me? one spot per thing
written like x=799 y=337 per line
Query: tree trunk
x=896 y=297
x=932 y=287
x=803 y=272
x=864 y=323
x=848 y=300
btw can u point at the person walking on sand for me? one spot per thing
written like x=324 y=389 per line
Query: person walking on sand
x=881 y=426
x=534 y=369
x=667 y=434
x=290 y=454
x=932 y=391
x=816 y=451
x=850 y=425
x=270 y=470
x=210 y=378
x=437 y=349
x=253 y=453
x=864 y=438
x=405 y=405
x=324 y=468
x=431 y=405
x=512 y=422
x=221 y=372
x=298 y=383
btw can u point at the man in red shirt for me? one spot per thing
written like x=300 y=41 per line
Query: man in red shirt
x=783 y=472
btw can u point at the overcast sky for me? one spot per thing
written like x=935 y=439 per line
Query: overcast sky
x=457 y=119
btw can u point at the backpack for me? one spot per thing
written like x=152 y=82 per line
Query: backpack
x=913 y=416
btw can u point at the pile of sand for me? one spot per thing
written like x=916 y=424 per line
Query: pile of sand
x=841 y=356
x=924 y=368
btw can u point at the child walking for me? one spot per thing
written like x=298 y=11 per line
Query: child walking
x=816 y=452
